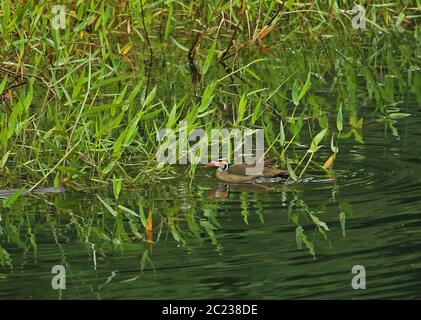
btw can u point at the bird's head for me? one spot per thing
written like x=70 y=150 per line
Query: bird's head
x=221 y=163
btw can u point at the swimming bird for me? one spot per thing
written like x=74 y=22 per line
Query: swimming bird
x=236 y=173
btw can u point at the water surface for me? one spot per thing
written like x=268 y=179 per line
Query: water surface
x=242 y=245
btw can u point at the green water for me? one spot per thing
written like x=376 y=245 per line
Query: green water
x=239 y=246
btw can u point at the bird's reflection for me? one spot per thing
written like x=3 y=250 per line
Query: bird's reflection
x=222 y=190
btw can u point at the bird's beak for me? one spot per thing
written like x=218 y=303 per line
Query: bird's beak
x=213 y=164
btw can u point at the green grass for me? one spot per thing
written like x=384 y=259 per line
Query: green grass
x=82 y=106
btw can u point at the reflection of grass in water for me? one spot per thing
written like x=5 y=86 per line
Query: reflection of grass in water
x=4 y=257
x=106 y=226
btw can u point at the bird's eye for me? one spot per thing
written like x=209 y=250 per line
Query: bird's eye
x=224 y=167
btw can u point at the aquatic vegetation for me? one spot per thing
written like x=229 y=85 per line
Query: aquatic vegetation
x=104 y=225
x=83 y=104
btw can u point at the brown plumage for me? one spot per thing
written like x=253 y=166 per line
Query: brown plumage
x=237 y=173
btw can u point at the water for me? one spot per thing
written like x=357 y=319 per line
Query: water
x=251 y=253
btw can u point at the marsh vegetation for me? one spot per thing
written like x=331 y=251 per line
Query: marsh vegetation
x=81 y=108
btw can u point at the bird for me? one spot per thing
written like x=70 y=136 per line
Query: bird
x=237 y=173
